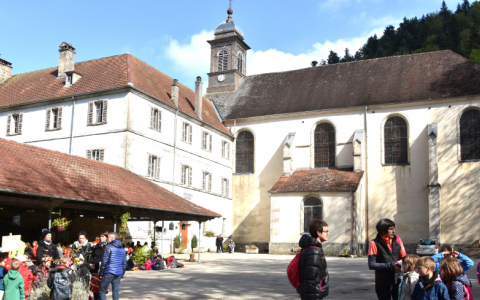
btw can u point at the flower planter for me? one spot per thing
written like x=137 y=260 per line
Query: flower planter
x=58 y=228
x=181 y=251
x=192 y=258
x=251 y=251
x=202 y=250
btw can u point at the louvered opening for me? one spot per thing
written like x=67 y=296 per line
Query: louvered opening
x=222 y=60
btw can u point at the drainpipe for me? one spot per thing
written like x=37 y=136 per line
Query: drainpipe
x=366 y=174
x=71 y=127
x=174 y=149
x=353 y=250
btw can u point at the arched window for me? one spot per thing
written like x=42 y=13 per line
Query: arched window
x=324 y=145
x=470 y=135
x=222 y=60
x=396 y=141
x=245 y=152
x=312 y=210
x=240 y=63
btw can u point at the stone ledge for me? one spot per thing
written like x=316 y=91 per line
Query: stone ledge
x=471 y=252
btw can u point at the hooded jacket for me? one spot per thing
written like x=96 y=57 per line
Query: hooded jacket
x=430 y=289
x=455 y=287
x=27 y=278
x=312 y=269
x=409 y=282
x=113 y=261
x=13 y=286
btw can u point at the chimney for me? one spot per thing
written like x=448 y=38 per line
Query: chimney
x=314 y=63
x=198 y=96
x=5 y=70
x=175 y=89
x=67 y=59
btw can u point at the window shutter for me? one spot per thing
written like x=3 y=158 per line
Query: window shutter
x=223 y=148
x=183 y=175
x=183 y=132
x=104 y=112
x=47 y=121
x=90 y=113
x=149 y=166
x=223 y=187
x=204 y=185
x=157 y=175
x=89 y=154
x=9 y=120
x=228 y=150
x=159 y=120
x=209 y=182
x=101 y=154
x=210 y=144
x=59 y=120
x=189 y=134
x=189 y=176
x=152 y=117
x=20 y=123
x=226 y=187
x=204 y=142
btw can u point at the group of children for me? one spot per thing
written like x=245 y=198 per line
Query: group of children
x=441 y=276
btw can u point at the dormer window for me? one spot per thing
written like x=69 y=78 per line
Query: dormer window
x=71 y=77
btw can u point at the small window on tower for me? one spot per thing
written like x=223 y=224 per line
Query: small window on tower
x=222 y=60
x=240 y=63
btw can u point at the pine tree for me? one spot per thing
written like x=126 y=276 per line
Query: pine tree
x=465 y=6
x=333 y=58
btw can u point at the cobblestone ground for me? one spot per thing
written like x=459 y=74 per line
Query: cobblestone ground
x=243 y=276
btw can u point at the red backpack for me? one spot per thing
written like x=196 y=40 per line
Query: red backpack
x=292 y=270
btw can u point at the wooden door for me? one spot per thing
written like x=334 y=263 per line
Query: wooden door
x=184 y=234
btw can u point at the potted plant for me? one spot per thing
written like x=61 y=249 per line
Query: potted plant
x=61 y=224
x=194 y=242
x=177 y=244
x=225 y=248
x=252 y=249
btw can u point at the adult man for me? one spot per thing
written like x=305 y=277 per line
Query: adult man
x=113 y=266
x=384 y=256
x=46 y=247
x=313 y=265
x=218 y=243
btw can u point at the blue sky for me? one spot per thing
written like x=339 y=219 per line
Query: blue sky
x=171 y=35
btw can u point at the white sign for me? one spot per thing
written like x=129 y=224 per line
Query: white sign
x=10 y=243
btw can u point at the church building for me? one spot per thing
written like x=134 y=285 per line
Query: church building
x=351 y=143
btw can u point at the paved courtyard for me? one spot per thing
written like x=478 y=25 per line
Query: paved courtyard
x=243 y=276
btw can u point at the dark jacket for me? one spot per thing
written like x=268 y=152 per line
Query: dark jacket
x=97 y=255
x=113 y=261
x=83 y=273
x=219 y=241
x=85 y=251
x=45 y=249
x=455 y=287
x=384 y=262
x=312 y=269
x=60 y=268
x=430 y=289
x=3 y=272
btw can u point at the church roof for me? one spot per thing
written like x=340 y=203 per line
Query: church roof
x=228 y=26
x=99 y=75
x=317 y=180
x=47 y=173
x=389 y=80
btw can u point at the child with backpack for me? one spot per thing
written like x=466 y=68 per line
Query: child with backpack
x=429 y=285
x=61 y=280
x=410 y=277
x=13 y=283
x=458 y=285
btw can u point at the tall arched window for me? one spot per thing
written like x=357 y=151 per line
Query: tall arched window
x=396 y=141
x=222 y=60
x=312 y=210
x=240 y=63
x=324 y=145
x=470 y=135
x=245 y=153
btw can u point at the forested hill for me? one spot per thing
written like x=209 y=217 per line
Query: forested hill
x=458 y=31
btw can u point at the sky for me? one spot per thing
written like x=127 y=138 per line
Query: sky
x=172 y=35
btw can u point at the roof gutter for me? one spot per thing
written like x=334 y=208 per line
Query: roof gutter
x=305 y=191
x=101 y=202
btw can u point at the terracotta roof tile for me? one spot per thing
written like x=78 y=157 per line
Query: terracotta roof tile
x=316 y=180
x=389 y=80
x=103 y=74
x=29 y=169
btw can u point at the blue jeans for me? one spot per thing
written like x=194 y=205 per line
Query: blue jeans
x=106 y=280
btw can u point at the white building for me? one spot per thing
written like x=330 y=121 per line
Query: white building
x=124 y=112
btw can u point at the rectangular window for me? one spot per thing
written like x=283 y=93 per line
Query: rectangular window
x=225 y=187
x=155 y=119
x=153 y=167
x=14 y=124
x=187 y=133
x=206 y=141
x=97 y=112
x=225 y=149
x=207 y=181
x=54 y=118
x=96 y=154
x=186 y=175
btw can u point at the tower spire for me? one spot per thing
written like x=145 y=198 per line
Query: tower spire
x=230 y=12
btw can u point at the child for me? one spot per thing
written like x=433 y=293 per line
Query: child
x=61 y=280
x=26 y=274
x=41 y=274
x=82 y=270
x=429 y=286
x=458 y=285
x=34 y=250
x=447 y=251
x=13 y=283
x=3 y=271
x=410 y=277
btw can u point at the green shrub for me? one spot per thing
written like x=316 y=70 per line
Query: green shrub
x=177 y=241
x=141 y=255
x=194 y=241
x=225 y=246
x=209 y=233
x=345 y=251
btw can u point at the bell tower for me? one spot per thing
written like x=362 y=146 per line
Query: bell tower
x=228 y=57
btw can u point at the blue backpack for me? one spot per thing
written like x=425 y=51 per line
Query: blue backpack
x=62 y=286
